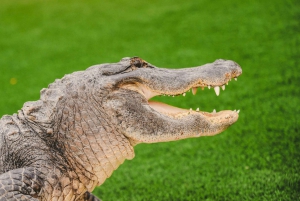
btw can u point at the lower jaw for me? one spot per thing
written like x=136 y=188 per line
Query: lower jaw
x=175 y=112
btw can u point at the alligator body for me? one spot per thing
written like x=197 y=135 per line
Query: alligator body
x=87 y=123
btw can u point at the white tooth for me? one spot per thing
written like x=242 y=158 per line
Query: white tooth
x=238 y=111
x=191 y=109
x=183 y=94
x=194 y=90
x=227 y=83
x=234 y=110
x=235 y=78
x=214 y=111
x=197 y=109
x=173 y=96
x=223 y=87
x=217 y=90
x=208 y=87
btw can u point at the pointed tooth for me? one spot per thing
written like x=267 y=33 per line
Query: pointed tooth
x=227 y=83
x=217 y=90
x=183 y=94
x=214 y=111
x=238 y=111
x=194 y=90
x=235 y=78
x=223 y=87
x=234 y=110
x=208 y=87
x=173 y=96
x=197 y=109
x=191 y=109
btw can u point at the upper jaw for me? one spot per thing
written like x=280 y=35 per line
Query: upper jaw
x=215 y=75
x=177 y=82
x=152 y=81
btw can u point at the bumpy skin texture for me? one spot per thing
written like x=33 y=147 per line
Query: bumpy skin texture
x=86 y=124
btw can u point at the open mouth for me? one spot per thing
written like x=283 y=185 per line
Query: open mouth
x=175 y=112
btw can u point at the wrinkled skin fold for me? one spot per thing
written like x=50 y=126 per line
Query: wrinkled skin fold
x=87 y=123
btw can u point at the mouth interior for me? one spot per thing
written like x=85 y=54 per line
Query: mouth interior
x=173 y=111
x=165 y=108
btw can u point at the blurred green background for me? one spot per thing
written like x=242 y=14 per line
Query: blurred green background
x=258 y=158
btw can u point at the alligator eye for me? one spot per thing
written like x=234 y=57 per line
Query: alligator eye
x=138 y=63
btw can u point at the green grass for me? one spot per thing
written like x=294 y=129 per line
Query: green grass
x=258 y=158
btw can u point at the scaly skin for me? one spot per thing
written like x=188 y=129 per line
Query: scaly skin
x=86 y=124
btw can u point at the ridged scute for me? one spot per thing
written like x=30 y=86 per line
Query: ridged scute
x=44 y=110
x=10 y=128
x=3 y=129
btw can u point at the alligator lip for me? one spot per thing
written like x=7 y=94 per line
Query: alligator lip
x=176 y=112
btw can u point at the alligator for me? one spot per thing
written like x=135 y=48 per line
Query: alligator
x=87 y=123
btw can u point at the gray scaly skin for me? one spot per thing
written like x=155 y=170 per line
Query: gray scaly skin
x=86 y=124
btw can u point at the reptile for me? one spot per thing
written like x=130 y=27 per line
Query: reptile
x=86 y=124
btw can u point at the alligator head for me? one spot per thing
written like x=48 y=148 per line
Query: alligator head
x=117 y=95
x=135 y=82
